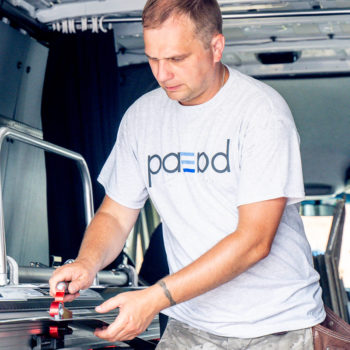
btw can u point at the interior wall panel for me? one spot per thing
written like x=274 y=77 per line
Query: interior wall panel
x=22 y=166
x=13 y=51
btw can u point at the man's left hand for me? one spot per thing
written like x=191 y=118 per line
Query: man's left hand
x=137 y=309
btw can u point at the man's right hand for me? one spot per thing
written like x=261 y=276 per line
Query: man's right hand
x=104 y=239
x=79 y=275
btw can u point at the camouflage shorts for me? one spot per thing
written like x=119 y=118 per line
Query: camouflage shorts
x=179 y=336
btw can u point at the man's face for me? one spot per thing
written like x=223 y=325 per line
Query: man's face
x=183 y=67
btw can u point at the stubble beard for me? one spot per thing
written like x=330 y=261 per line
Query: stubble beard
x=186 y=97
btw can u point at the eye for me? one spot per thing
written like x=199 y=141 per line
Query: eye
x=177 y=59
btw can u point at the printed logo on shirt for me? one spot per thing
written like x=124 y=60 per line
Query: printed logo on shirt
x=188 y=162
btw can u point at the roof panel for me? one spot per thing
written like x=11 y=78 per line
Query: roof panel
x=52 y=10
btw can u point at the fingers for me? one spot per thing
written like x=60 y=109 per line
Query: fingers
x=133 y=318
x=58 y=276
x=76 y=285
x=109 y=333
x=78 y=276
x=108 y=305
x=70 y=297
x=118 y=331
x=123 y=328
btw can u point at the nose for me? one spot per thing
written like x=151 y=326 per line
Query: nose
x=163 y=71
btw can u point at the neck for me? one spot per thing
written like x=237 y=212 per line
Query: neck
x=216 y=82
x=224 y=76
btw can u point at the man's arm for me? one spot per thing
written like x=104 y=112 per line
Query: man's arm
x=103 y=241
x=250 y=243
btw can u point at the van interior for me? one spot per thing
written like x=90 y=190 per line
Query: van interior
x=69 y=69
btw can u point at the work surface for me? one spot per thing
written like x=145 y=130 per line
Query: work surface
x=25 y=322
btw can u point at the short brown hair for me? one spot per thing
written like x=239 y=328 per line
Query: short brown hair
x=205 y=15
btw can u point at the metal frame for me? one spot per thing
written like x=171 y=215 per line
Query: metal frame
x=332 y=256
x=6 y=132
x=111 y=18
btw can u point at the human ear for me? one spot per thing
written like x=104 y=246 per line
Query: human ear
x=217 y=45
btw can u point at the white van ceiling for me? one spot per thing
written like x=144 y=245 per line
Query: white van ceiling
x=46 y=11
x=315 y=33
x=52 y=10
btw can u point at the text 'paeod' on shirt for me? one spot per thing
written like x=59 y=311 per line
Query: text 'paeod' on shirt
x=188 y=162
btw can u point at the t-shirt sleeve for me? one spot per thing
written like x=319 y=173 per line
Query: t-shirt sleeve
x=121 y=176
x=270 y=162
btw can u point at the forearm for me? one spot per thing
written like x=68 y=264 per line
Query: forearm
x=103 y=241
x=225 y=261
x=105 y=237
x=250 y=243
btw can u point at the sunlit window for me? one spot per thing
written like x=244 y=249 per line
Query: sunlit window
x=317 y=229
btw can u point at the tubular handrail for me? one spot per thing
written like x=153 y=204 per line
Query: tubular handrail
x=49 y=147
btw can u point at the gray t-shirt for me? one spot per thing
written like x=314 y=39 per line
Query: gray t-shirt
x=199 y=164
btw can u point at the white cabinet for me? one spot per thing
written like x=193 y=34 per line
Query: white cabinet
x=13 y=51
x=22 y=71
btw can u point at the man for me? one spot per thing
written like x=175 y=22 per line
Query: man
x=218 y=153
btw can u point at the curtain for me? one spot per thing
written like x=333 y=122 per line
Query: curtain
x=135 y=81
x=79 y=112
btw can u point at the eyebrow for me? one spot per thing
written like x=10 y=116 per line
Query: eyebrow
x=167 y=58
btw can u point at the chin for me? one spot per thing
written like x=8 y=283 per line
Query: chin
x=173 y=95
x=179 y=96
